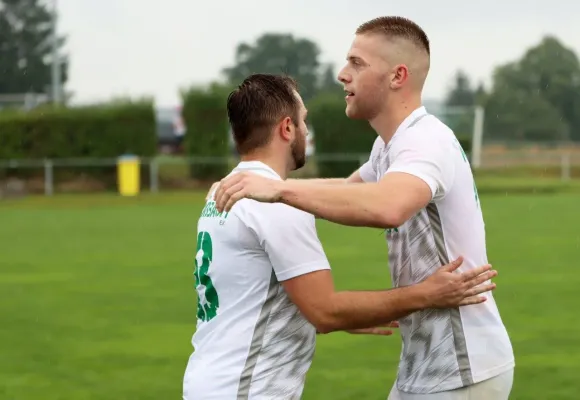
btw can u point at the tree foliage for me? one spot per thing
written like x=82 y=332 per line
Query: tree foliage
x=328 y=81
x=462 y=98
x=537 y=97
x=25 y=47
x=275 y=53
x=204 y=114
x=461 y=93
x=336 y=134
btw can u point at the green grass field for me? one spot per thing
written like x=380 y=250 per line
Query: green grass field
x=97 y=298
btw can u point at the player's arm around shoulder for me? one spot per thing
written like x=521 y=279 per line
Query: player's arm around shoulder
x=291 y=242
x=366 y=173
x=420 y=170
x=355 y=177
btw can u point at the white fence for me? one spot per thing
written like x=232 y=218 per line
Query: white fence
x=158 y=170
x=564 y=162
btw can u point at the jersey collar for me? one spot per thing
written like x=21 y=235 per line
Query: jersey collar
x=406 y=124
x=418 y=113
x=256 y=166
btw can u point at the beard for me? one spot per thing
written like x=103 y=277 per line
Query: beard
x=298 y=152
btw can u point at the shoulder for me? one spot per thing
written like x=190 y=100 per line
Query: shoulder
x=378 y=144
x=430 y=135
x=280 y=211
x=376 y=151
x=431 y=129
x=272 y=215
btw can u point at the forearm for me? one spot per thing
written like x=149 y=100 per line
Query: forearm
x=366 y=309
x=322 y=180
x=353 y=178
x=353 y=204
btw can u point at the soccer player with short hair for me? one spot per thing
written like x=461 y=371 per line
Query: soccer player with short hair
x=263 y=281
x=417 y=184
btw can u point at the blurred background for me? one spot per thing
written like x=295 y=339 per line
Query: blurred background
x=113 y=126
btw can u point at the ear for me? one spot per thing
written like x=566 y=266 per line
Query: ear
x=287 y=129
x=400 y=76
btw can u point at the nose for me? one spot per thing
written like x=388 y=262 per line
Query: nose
x=344 y=76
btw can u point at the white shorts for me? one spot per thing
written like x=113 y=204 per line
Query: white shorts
x=496 y=388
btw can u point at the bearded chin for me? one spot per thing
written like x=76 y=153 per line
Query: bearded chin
x=298 y=156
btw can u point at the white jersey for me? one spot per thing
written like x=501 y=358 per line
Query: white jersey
x=251 y=341
x=450 y=348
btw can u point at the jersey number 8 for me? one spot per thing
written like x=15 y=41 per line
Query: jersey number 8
x=207 y=297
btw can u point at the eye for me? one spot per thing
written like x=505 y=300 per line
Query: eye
x=355 y=61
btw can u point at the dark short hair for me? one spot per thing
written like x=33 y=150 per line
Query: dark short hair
x=256 y=105
x=397 y=27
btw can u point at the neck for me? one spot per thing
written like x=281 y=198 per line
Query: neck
x=277 y=163
x=388 y=121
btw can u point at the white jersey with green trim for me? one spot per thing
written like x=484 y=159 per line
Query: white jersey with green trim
x=251 y=341
x=449 y=348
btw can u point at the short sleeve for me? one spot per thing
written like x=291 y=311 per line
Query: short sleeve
x=428 y=157
x=290 y=240
x=367 y=171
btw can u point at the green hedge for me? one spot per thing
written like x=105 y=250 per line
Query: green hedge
x=465 y=142
x=99 y=131
x=205 y=115
x=103 y=131
x=335 y=134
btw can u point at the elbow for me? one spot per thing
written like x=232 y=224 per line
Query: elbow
x=384 y=216
x=388 y=219
x=324 y=323
x=324 y=327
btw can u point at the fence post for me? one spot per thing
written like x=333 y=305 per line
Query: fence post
x=477 y=138
x=48 y=178
x=153 y=175
x=566 y=173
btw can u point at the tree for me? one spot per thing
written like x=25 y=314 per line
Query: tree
x=517 y=116
x=538 y=96
x=25 y=47
x=480 y=94
x=278 y=54
x=329 y=80
x=461 y=93
x=335 y=133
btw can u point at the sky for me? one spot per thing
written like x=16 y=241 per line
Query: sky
x=154 y=48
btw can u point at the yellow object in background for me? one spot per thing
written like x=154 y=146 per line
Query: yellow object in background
x=128 y=178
